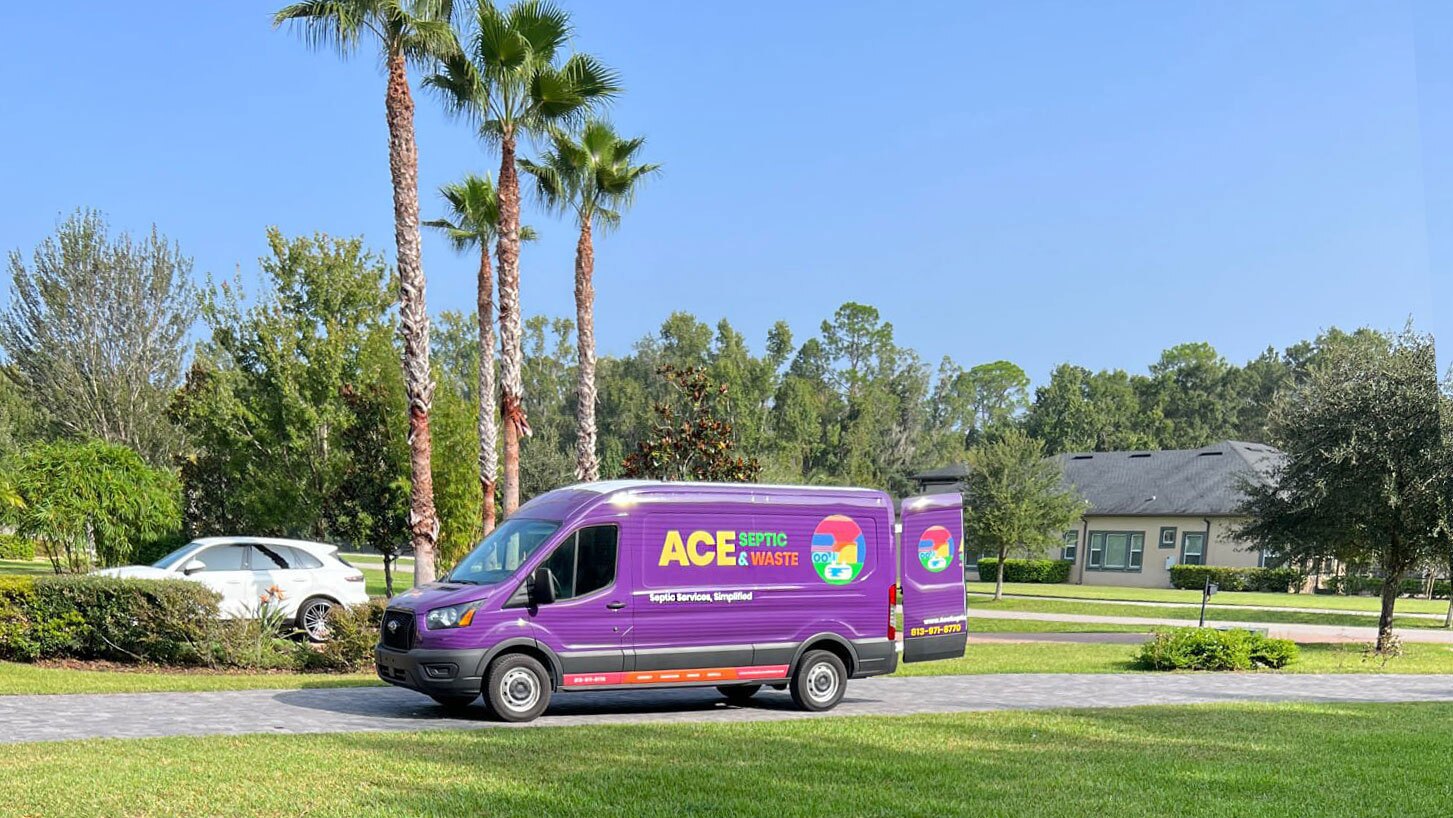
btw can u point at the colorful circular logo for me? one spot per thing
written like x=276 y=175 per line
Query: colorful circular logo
x=838 y=550
x=936 y=548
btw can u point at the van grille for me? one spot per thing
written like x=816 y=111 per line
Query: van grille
x=398 y=630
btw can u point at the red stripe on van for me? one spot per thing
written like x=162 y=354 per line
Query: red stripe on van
x=686 y=676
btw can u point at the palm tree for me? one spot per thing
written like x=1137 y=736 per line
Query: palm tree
x=594 y=179
x=510 y=80
x=474 y=210
x=418 y=32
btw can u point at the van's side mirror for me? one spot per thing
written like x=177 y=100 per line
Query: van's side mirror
x=192 y=567
x=542 y=587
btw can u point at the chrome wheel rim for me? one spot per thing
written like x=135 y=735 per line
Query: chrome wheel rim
x=822 y=682
x=520 y=689
x=315 y=619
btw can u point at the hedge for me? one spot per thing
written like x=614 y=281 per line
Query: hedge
x=1355 y=586
x=1041 y=571
x=169 y=622
x=16 y=548
x=1210 y=649
x=1193 y=577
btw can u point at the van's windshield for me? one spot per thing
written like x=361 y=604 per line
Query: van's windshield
x=503 y=551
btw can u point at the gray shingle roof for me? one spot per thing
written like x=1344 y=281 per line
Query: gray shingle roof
x=1175 y=482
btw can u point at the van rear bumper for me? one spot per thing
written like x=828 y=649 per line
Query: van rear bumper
x=433 y=672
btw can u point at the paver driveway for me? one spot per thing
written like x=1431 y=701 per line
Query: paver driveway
x=132 y=715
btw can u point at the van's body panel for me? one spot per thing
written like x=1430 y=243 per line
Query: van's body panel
x=935 y=619
x=714 y=584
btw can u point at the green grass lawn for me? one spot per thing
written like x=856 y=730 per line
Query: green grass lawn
x=984 y=625
x=1188 y=612
x=1068 y=657
x=18 y=678
x=1209 y=760
x=1364 y=604
x=373 y=580
x=26 y=567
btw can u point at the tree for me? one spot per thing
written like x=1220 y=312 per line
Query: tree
x=1188 y=397
x=1363 y=475
x=417 y=31
x=690 y=440
x=1015 y=496
x=370 y=505
x=509 y=81
x=593 y=177
x=96 y=332
x=265 y=404
x=92 y=503
x=1080 y=411
x=473 y=223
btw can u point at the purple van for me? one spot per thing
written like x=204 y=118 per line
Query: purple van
x=631 y=584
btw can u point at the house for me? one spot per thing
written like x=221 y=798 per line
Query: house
x=1150 y=510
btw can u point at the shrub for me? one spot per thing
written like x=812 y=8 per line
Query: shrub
x=90 y=617
x=1419 y=587
x=1193 y=577
x=16 y=548
x=352 y=634
x=1209 y=649
x=1041 y=571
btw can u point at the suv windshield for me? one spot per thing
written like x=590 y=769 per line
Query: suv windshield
x=503 y=551
x=171 y=559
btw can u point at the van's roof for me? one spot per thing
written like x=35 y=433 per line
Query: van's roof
x=570 y=500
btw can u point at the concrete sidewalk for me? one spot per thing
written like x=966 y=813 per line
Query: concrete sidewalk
x=366 y=709
x=1296 y=633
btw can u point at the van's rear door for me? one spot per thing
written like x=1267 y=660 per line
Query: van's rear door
x=935 y=613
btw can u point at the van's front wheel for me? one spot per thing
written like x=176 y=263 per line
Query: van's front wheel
x=819 y=682
x=517 y=688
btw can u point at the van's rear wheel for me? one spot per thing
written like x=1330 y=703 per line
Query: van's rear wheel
x=819 y=682
x=516 y=688
x=738 y=694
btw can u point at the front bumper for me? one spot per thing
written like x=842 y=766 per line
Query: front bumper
x=434 y=672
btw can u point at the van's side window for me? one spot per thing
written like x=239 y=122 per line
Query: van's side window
x=584 y=563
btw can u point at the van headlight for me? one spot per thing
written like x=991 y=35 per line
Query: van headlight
x=454 y=616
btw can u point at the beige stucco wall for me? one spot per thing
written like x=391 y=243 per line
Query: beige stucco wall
x=1221 y=548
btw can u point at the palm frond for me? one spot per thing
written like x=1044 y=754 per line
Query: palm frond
x=327 y=23
x=543 y=25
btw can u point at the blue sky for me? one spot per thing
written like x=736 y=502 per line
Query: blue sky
x=1037 y=182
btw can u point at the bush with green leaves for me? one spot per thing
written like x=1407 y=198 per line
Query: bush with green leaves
x=126 y=620
x=1211 y=649
x=1040 y=571
x=1274 y=580
x=352 y=634
x=16 y=548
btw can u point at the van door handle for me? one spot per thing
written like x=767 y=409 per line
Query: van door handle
x=615 y=606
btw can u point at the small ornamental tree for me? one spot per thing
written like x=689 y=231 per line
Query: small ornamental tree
x=93 y=503
x=1015 y=497
x=689 y=439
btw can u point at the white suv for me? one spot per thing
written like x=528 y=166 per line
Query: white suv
x=312 y=577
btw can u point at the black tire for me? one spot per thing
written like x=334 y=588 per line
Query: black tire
x=454 y=702
x=312 y=617
x=516 y=688
x=819 y=682
x=738 y=694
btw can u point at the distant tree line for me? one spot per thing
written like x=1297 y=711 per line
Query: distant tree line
x=282 y=416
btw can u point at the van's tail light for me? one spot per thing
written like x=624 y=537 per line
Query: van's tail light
x=892 y=603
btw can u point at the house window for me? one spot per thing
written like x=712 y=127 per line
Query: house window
x=1071 y=546
x=1168 y=536
x=1193 y=548
x=1116 y=550
x=1268 y=558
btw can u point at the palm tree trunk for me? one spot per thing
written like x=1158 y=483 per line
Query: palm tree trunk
x=587 y=465
x=403 y=159
x=512 y=412
x=488 y=405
